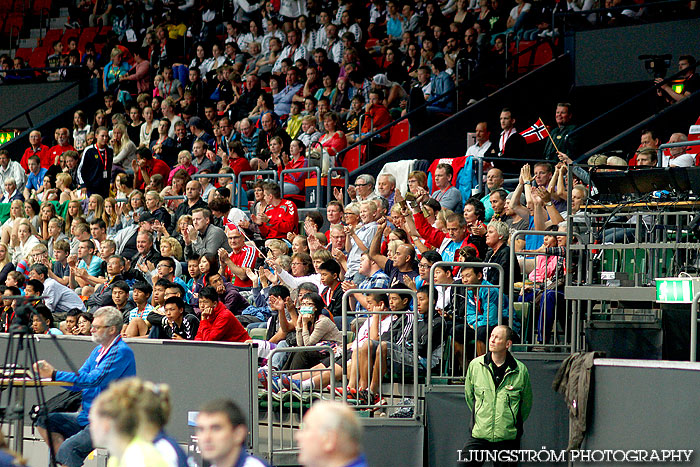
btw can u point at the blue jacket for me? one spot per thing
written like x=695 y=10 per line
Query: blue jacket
x=94 y=377
x=488 y=304
x=441 y=84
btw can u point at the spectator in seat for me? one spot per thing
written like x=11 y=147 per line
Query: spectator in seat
x=678 y=158
x=62 y=145
x=217 y=322
x=445 y=193
x=10 y=169
x=494 y=181
x=35 y=177
x=193 y=193
x=377 y=113
x=446 y=244
x=690 y=84
x=59 y=298
x=386 y=187
x=483 y=146
x=228 y=294
x=36 y=149
x=283 y=99
x=511 y=144
x=403 y=263
x=333 y=139
x=293 y=182
x=279 y=217
x=241 y=257
x=270 y=129
x=647 y=157
x=140 y=71
x=248 y=136
x=145 y=166
x=499 y=253
x=560 y=134
x=442 y=83
x=203 y=237
x=373 y=278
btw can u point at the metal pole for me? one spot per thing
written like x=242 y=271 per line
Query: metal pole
x=694 y=327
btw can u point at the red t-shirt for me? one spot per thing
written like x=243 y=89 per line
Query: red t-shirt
x=239 y=164
x=221 y=325
x=42 y=152
x=58 y=150
x=245 y=259
x=283 y=218
x=154 y=166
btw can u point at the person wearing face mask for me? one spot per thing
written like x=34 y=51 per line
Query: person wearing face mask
x=111 y=360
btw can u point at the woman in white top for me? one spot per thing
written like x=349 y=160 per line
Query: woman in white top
x=9 y=228
x=25 y=240
x=199 y=59
x=147 y=127
x=252 y=36
x=124 y=148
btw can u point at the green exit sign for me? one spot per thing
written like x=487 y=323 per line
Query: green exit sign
x=676 y=289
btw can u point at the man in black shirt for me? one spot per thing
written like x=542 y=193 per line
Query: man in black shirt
x=95 y=168
x=175 y=324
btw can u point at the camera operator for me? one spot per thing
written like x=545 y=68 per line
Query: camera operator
x=678 y=90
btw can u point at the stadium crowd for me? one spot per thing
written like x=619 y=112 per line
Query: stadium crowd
x=108 y=213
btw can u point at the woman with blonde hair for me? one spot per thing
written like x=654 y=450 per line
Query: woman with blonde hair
x=72 y=211
x=100 y=119
x=22 y=243
x=133 y=208
x=96 y=207
x=9 y=228
x=124 y=148
x=111 y=216
x=6 y=264
x=63 y=184
x=118 y=417
x=147 y=127
x=169 y=247
x=154 y=205
x=46 y=213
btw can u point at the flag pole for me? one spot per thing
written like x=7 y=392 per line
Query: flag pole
x=550 y=138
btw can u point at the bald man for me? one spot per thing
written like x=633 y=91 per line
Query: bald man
x=193 y=193
x=494 y=181
x=331 y=435
x=36 y=149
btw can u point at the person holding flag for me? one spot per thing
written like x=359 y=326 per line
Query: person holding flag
x=560 y=138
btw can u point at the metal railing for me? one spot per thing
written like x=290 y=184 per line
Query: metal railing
x=694 y=328
x=304 y=170
x=402 y=390
x=346 y=175
x=446 y=369
x=541 y=304
x=286 y=407
x=248 y=173
x=217 y=175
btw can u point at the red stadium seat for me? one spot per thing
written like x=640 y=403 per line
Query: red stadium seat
x=13 y=25
x=51 y=36
x=41 y=7
x=24 y=53
x=399 y=133
x=38 y=57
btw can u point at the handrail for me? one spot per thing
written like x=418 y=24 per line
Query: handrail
x=37 y=105
x=346 y=175
x=305 y=170
x=239 y=181
x=388 y=126
x=432 y=299
x=694 y=328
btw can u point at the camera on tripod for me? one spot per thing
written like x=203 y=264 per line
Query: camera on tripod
x=657 y=65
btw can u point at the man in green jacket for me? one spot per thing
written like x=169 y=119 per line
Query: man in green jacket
x=499 y=395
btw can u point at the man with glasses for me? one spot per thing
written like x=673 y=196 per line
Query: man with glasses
x=241 y=258
x=111 y=360
x=363 y=190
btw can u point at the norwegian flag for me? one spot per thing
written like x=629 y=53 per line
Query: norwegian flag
x=536 y=132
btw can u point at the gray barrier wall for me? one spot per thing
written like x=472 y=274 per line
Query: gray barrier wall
x=448 y=419
x=639 y=404
x=195 y=371
x=16 y=98
x=608 y=56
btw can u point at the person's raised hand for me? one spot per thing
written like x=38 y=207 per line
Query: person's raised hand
x=223 y=255
x=338 y=195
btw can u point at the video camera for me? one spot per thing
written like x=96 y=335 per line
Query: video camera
x=657 y=65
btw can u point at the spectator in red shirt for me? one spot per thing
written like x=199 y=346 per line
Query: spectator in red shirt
x=235 y=158
x=36 y=148
x=145 y=166
x=63 y=145
x=217 y=322
x=242 y=257
x=377 y=113
x=280 y=215
x=293 y=182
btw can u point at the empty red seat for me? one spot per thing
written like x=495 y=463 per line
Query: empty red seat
x=13 y=25
x=24 y=53
x=38 y=57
